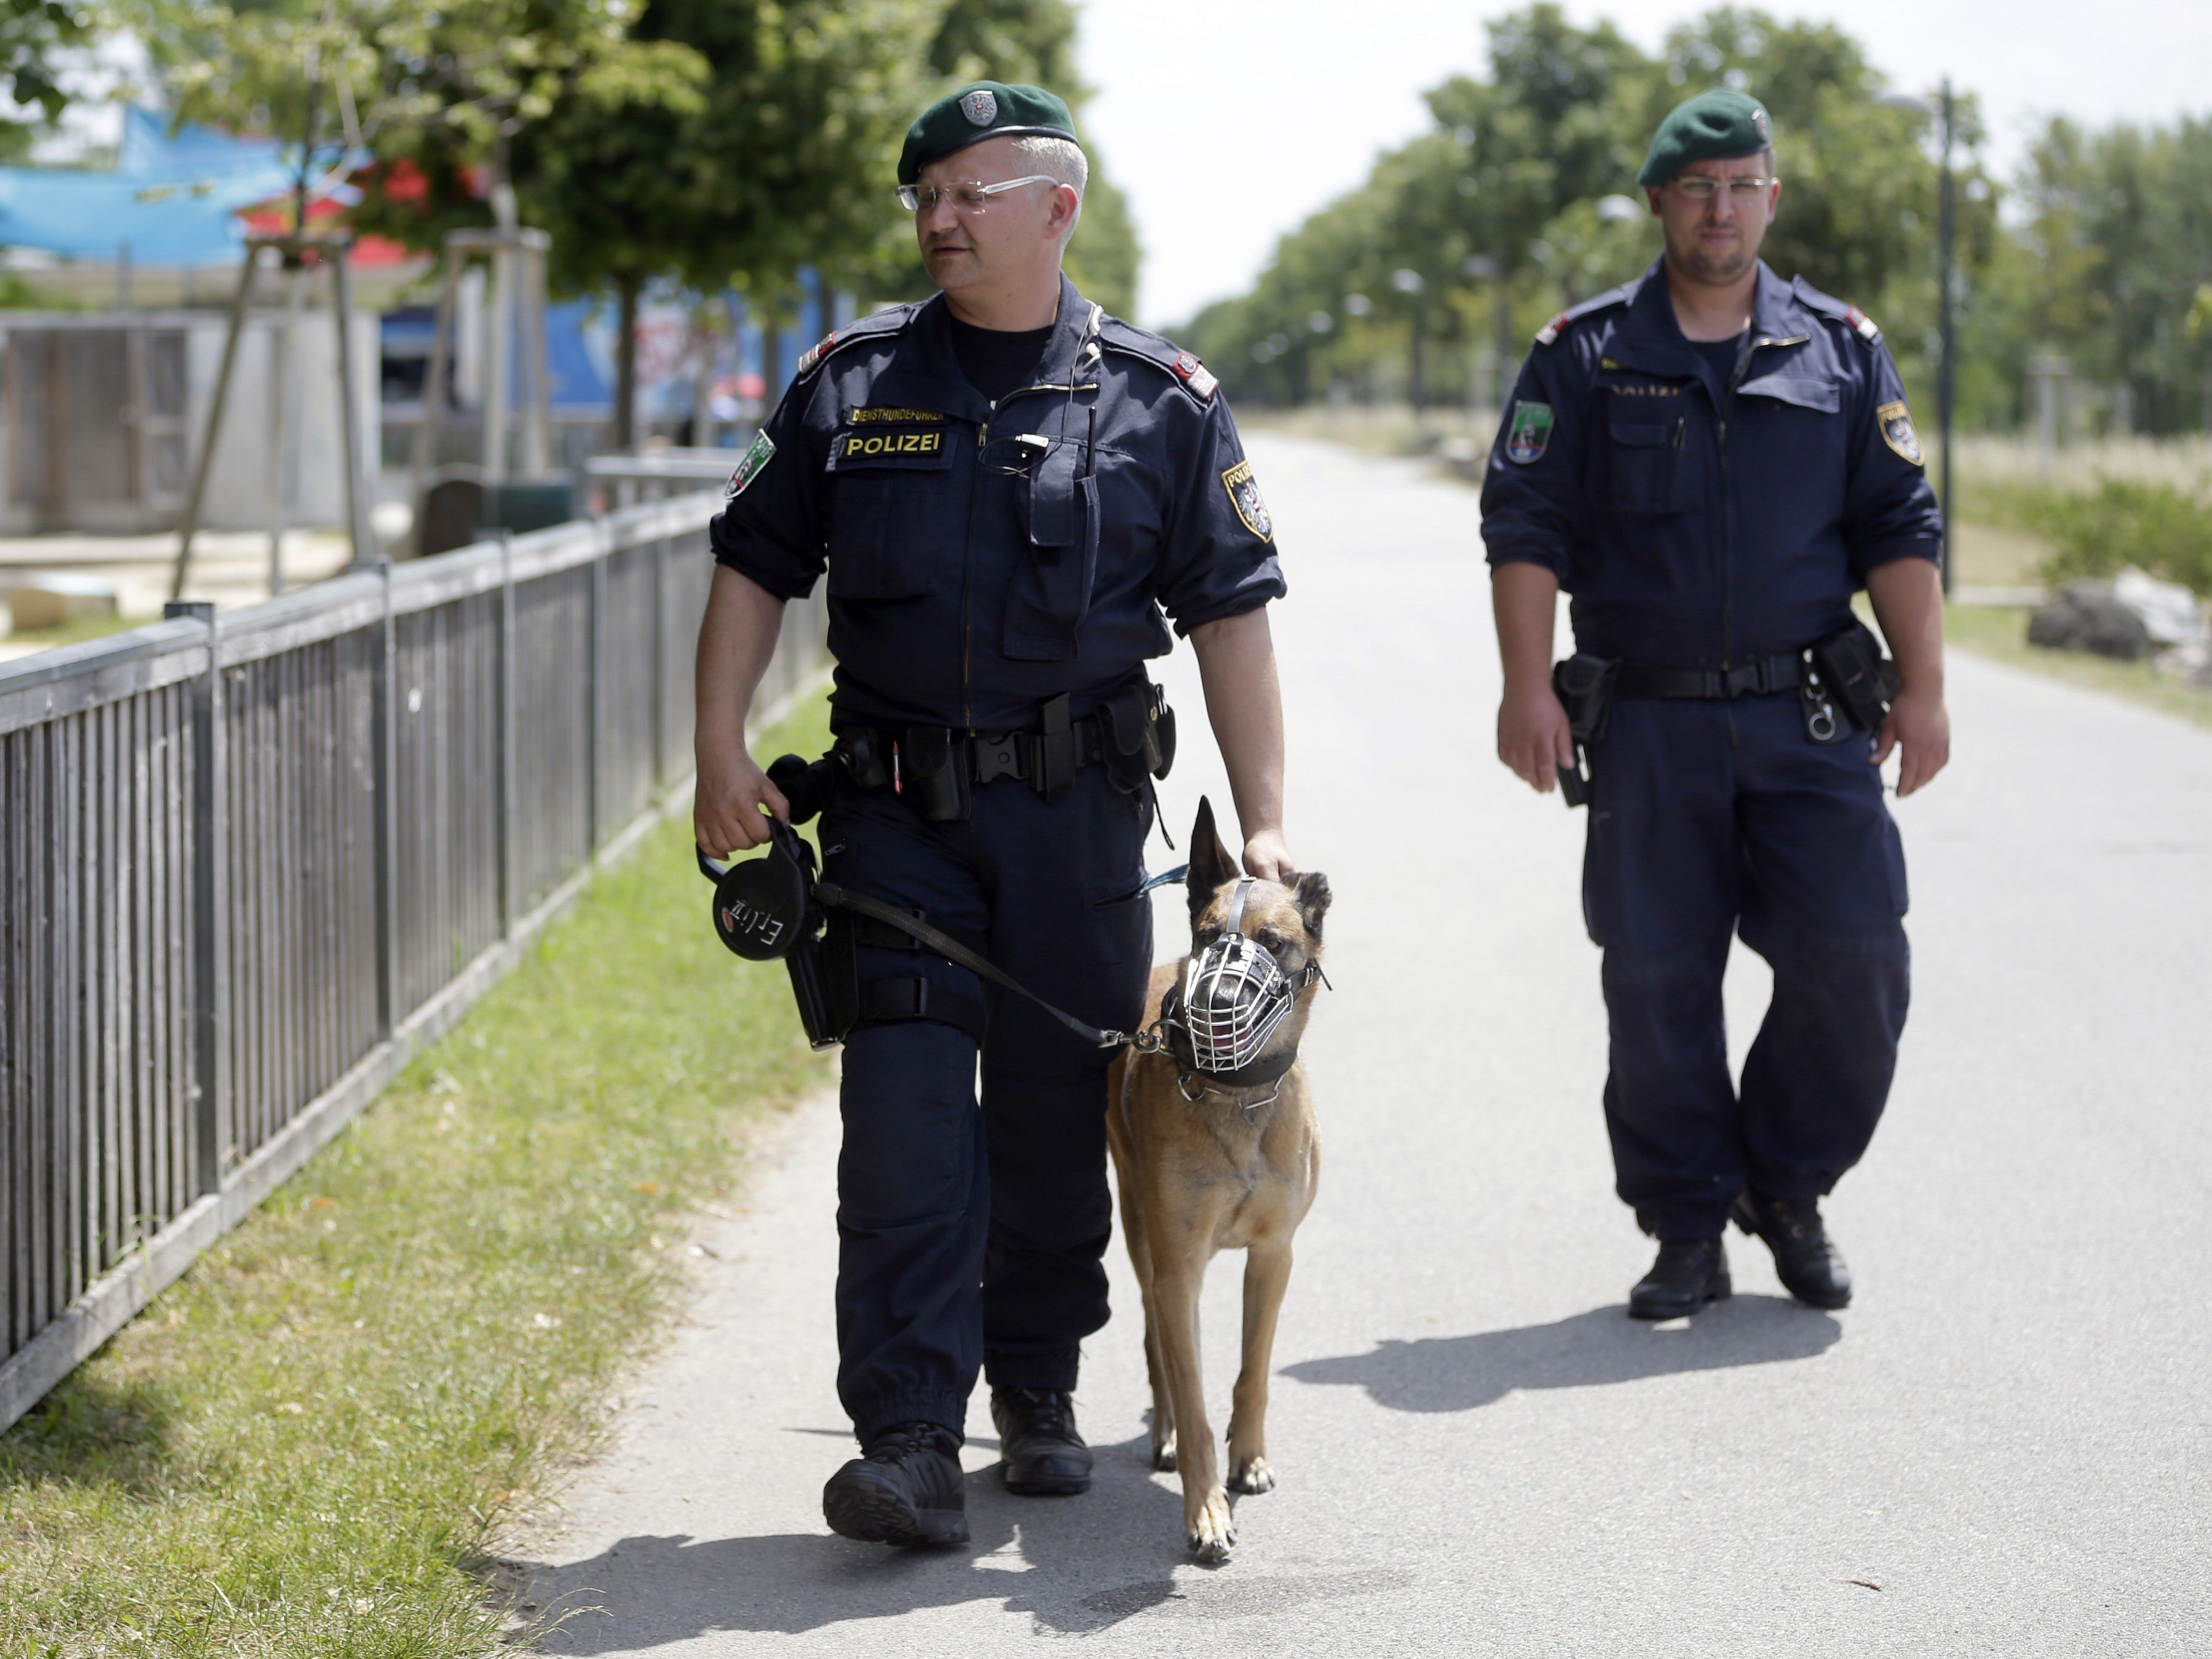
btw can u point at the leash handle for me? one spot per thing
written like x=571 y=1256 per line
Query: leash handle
x=844 y=898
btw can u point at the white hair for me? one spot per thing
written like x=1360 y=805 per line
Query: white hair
x=1061 y=159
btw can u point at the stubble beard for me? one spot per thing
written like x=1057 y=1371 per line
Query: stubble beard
x=1716 y=270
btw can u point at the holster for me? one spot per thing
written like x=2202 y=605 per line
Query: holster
x=1584 y=685
x=930 y=776
x=1863 y=681
x=1140 y=731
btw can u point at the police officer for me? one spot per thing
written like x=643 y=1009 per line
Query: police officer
x=1013 y=495
x=1712 y=461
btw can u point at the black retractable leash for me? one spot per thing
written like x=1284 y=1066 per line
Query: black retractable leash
x=772 y=908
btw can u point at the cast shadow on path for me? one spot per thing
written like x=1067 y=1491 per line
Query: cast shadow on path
x=1460 y=1373
x=1073 y=1565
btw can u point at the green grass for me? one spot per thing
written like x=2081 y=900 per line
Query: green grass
x=2000 y=632
x=76 y=632
x=308 y=1444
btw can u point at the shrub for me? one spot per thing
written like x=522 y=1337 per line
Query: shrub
x=2156 y=527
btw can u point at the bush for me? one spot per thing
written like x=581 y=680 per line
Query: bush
x=2157 y=528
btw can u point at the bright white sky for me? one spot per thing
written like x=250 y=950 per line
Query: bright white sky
x=1228 y=121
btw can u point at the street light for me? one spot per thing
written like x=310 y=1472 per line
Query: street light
x=1484 y=269
x=1945 y=110
x=1408 y=281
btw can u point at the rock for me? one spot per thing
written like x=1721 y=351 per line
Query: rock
x=2168 y=610
x=2090 y=617
x=47 y=599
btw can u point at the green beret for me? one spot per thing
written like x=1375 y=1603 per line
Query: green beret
x=980 y=110
x=1712 y=126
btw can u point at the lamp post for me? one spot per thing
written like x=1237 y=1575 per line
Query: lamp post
x=1408 y=281
x=1484 y=269
x=1945 y=109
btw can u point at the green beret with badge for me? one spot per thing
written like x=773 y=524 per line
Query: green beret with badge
x=1713 y=126
x=980 y=110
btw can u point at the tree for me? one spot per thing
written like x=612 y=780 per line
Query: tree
x=32 y=35
x=783 y=162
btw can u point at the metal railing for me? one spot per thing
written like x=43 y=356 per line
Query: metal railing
x=253 y=862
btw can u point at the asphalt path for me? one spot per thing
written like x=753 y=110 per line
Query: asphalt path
x=2002 y=1448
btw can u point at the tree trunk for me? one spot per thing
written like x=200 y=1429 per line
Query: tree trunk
x=625 y=435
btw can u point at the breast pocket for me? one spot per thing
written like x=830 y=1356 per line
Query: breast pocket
x=1646 y=449
x=1052 y=594
x=890 y=499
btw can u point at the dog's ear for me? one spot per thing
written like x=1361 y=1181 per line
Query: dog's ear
x=1210 y=863
x=1309 y=892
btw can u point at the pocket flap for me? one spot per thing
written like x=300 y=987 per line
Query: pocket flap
x=1055 y=509
x=1636 y=428
x=1794 y=389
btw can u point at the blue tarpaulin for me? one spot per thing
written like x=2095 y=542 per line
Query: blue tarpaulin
x=173 y=199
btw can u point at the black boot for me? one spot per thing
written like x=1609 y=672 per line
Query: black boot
x=1689 y=1273
x=1811 y=1268
x=905 y=1488
x=1045 y=1456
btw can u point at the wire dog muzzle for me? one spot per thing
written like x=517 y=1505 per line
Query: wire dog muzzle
x=1233 y=997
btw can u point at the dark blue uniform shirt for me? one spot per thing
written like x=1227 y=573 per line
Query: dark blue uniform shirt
x=984 y=557
x=1697 y=520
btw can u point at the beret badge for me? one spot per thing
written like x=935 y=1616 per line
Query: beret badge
x=981 y=106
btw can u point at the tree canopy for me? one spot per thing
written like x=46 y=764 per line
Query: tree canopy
x=1523 y=196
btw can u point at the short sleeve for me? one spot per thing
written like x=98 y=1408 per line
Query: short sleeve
x=1220 y=554
x=1890 y=511
x=1530 y=498
x=771 y=526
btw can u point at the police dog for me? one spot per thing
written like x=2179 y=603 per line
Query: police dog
x=1205 y=1165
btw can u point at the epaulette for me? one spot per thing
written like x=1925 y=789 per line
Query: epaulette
x=890 y=320
x=1191 y=374
x=1573 y=315
x=1828 y=306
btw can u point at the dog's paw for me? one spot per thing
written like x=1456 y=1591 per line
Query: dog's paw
x=1163 y=1454
x=1252 y=1476
x=1209 y=1528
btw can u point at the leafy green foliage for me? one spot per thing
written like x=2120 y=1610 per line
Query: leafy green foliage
x=33 y=33
x=1524 y=199
x=2155 y=527
x=309 y=1444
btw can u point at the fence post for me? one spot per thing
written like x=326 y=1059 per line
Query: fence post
x=210 y=878
x=384 y=742
x=510 y=891
x=595 y=720
x=661 y=664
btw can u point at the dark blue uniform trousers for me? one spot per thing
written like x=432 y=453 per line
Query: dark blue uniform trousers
x=975 y=1236
x=1712 y=817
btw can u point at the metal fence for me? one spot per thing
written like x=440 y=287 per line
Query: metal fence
x=253 y=862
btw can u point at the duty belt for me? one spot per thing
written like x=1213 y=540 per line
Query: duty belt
x=1783 y=672
x=980 y=757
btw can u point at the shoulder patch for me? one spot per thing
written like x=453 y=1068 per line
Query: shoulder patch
x=750 y=465
x=1244 y=497
x=1862 y=325
x=1896 y=424
x=1550 y=331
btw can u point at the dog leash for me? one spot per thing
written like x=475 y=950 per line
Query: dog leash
x=1148 y=1041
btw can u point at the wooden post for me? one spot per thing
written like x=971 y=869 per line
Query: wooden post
x=210 y=907
x=215 y=423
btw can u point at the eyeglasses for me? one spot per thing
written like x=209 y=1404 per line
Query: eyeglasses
x=1701 y=187
x=970 y=197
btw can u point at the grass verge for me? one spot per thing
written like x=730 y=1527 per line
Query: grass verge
x=307 y=1444
x=2000 y=632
